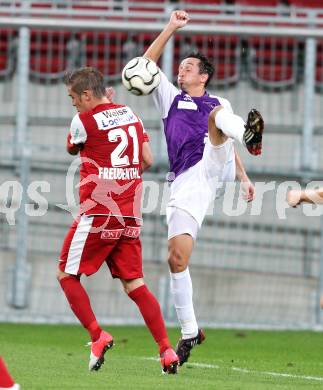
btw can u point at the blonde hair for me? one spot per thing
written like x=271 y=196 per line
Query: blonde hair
x=86 y=78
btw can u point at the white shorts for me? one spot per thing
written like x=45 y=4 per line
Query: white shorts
x=181 y=222
x=194 y=189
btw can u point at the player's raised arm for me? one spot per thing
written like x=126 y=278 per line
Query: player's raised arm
x=178 y=19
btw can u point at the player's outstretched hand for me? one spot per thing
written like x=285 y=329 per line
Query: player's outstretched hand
x=294 y=198
x=248 y=190
x=178 y=19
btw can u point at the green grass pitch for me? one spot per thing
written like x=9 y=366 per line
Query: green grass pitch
x=55 y=357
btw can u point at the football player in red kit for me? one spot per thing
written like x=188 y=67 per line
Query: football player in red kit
x=114 y=150
x=6 y=381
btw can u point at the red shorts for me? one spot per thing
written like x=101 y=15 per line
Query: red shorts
x=93 y=240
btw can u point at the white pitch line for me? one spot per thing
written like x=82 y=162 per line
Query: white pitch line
x=246 y=371
x=281 y=374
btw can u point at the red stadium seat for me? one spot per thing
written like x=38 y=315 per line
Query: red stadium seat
x=258 y=3
x=307 y=3
x=319 y=67
x=140 y=10
x=51 y=54
x=143 y=41
x=319 y=78
x=306 y=8
x=37 y=4
x=222 y=51
x=86 y=9
x=105 y=51
x=208 y=3
x=274 y=76
x=272 y=62
x=147 y=5
x=195 y=8
x=254 y=12
x=41 y=9
x=313 y=4
x=7 y=52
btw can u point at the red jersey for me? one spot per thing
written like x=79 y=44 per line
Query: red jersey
x=110 y=173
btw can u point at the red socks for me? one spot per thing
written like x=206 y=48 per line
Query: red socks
x=80 y=304
x=5 y=378
x=150 y=310
x=145 y=300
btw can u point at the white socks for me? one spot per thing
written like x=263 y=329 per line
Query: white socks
x=232 y=125
x=182 y=291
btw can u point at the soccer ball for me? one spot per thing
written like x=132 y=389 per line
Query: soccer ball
x=140 y=76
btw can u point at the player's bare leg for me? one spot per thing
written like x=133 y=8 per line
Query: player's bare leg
x=180 y=249
x=179 y=252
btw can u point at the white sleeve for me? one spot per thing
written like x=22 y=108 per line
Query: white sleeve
x=164 y=95
x=226 y=104
x=77 y=130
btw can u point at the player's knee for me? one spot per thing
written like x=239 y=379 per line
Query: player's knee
x=61 y=275
x=176 y=260
x=214 y=112
x=130 y=285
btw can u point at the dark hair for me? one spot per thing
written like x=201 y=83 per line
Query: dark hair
x=205 y=65
x=86 y=78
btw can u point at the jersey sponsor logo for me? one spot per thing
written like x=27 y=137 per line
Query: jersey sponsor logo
x=114 y=234
x=119 y=173
x=131 y=231
x=187 y=97
x=115 y=117
x=186 y=105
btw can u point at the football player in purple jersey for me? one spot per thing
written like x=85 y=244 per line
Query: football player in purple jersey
x=200 y=131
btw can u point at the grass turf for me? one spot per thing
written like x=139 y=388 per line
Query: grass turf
x=54 y=357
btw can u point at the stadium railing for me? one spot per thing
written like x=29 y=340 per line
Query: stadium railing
x=270 y=62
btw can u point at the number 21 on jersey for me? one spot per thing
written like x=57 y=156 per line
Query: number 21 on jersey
x=118 y=159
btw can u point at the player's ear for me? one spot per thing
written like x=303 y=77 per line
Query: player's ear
x=87 y=94
x=204 y=77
